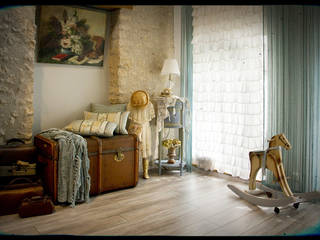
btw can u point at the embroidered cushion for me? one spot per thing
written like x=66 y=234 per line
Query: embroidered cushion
x=120 y=118
x=92 y=127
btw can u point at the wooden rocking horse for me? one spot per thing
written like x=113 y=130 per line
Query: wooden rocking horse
x=272 y=160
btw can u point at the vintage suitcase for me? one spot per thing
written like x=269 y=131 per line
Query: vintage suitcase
x=17 y=158
x=113 y=163
x=36 y=206
x=12 y=194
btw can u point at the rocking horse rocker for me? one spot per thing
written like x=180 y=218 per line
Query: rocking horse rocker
x=272 y=160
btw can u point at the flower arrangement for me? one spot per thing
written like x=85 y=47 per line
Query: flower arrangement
x=74 y=33
x=171 y=143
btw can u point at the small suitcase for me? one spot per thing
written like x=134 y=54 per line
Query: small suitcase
x=36 y=206
x=16 y=151
x=113 y=163
x=13 y=193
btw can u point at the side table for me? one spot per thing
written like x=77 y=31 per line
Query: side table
x=170 y=114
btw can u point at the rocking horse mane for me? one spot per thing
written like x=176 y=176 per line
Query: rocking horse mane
x=279 y=140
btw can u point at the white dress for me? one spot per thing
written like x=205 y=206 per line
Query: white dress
x=142 y=117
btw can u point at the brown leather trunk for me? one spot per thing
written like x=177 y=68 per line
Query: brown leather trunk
x=12 y=194
x=113 y=163
x=48 y=152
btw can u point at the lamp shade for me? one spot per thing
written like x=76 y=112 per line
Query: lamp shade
x=170 y=66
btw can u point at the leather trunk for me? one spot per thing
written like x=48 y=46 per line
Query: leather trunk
x=12 y=194
x=47 y=164
x=113 y=163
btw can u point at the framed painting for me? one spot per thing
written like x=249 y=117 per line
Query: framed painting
x=70 y=35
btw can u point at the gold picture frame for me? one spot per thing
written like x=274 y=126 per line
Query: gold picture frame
x=70 y=35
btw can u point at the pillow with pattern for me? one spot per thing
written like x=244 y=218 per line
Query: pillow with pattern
x=92 y=127
x=120 y=118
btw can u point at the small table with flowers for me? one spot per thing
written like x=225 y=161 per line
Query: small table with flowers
x=170 y=114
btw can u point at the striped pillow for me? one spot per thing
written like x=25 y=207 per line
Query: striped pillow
x=92 y=127
x=120 y=118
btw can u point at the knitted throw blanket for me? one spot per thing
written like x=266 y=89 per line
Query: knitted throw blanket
x=73 y=166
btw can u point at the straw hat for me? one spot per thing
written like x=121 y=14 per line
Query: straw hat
x=139 y=99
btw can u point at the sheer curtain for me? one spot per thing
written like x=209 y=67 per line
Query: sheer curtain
x=292 y=76
x=227 y=119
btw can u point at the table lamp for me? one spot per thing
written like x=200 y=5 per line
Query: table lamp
x=170 y=66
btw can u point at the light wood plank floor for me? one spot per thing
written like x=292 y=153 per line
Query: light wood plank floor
x=196 y=204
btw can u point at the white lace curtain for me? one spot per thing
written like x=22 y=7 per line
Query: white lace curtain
x=227 y=87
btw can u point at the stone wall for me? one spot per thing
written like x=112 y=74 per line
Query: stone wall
x=17 y=44
x=141 y=39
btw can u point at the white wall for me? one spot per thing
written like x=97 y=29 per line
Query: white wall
x=62 y=93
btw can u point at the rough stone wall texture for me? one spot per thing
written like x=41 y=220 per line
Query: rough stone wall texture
x=141 y=39
x=17 y=44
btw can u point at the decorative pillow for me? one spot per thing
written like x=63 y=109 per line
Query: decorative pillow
x=96 y=107
x=120 y=118
x=92 y=127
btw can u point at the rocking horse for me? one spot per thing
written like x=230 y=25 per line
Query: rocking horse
x=272 y=160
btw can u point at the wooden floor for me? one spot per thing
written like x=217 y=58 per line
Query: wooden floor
x=196 y=204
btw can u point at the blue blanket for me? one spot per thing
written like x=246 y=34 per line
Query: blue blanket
x=73 y=166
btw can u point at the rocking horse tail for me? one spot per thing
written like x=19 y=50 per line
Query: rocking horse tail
x=255 y=165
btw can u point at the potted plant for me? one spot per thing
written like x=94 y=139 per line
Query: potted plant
x=172 y=145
